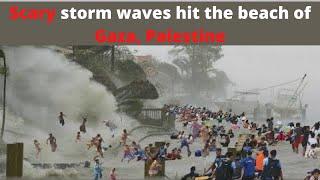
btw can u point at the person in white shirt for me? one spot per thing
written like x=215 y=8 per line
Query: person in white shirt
x=312 y=142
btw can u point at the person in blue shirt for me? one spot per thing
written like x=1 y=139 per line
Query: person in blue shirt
x=272 y=167
x=184 y=142
x=216 y=163
x=162 y=152
x=248 y=167
x=97 y=169
x=140 y=154
x=236 y=166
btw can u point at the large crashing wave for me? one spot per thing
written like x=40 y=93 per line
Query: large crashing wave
x=42 y=83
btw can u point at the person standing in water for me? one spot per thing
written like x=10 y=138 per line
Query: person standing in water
x=37 y=146
x=61 y=118
x=53 y=142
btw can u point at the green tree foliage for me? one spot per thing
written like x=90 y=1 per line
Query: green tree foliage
x=3 y=70
x=196 y=64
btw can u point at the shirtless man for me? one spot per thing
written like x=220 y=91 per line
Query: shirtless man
x=97 y=142
x=91 y=143
x=61 y=118
x=37 y=146
x=53 y=142
x=124 y=137
x=99 y=147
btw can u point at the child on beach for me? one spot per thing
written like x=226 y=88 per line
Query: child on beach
x=78 y=137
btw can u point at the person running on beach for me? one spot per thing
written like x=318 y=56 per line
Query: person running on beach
x=124 y=137
x=311 y=145
x=61 y=118
x=37 y=146
x=83 y=125
x=99 y=147
x=236 y=166
x=248 y=164
x=113 y=175
x=306 y=133
x=97 y=169
x=191 y=175
x=91 y=143
x=260 y=156
x=272 y=168
x=204 y=133
x=185 y=143
x=78 y=137
x=98 y=144
x=195 y=127
x=225 y=170
x=53 y=142
x=217 y=162
x=127 y=154
x=270 y=123
x=112 y=127
x=297 y=138
x=95 y=141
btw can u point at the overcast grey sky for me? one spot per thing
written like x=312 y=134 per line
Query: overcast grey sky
x=261 y=66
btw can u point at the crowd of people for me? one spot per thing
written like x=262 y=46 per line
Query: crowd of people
x=96 y=141
x=255 y=160
x=213 y=132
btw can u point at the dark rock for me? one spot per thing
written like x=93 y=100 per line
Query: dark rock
x=137 y=89
x=128 y=71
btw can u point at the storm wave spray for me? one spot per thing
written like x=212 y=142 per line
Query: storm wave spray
x=42 y=83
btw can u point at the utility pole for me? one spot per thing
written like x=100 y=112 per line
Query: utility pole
x=2 y=55
x=112 y=58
